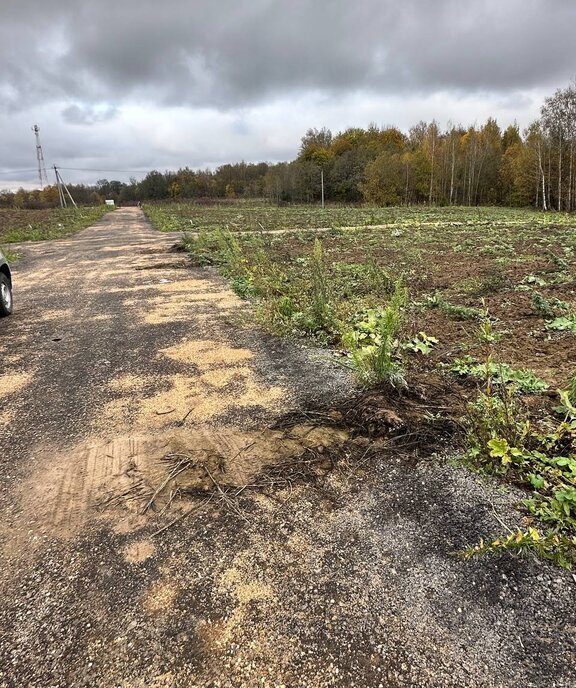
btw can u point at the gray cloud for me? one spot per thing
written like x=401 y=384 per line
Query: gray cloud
x=88 y=115
x=227 y=53
x=140 y=84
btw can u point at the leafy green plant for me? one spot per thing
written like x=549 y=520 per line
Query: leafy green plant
x=11 y=256
x=496 y=424
x=548 y=308
x=559 y=262
x=200 y=248
x=502 y=441
x=56 y=223
x=353 y=279
x=501 y=450
x=243 y=286
x=571 y=391
x=565 y=323
x=322 y=310
x=422 y=343
x=533 y=280
x=523 y=380
x=491 y=284
x=285 y=306
x=529 y=282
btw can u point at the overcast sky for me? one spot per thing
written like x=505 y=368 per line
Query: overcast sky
x=140 y=84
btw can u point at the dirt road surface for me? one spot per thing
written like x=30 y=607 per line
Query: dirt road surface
x=161 y=524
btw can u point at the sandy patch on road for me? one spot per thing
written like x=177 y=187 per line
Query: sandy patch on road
x=10 y=383
x=6 y=417
x=57 y=314
x=129 y=383
x=131 y=480
x=245 y=588
x=204 y=397
x=139 y=551
x=160 y=597
x=175 y=303
x=11 y=360
x=223 y=377
x=190 y=398
x=220 y=383
x=206 y=353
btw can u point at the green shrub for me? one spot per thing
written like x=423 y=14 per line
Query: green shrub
x=243 y=286
x=498 y=416
x=558 y=548
x=571 y=391
x=501 y=440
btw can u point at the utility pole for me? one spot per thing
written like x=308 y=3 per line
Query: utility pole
x=322 y=183
x=60 y=192
x=40 y=157
x=61 y=189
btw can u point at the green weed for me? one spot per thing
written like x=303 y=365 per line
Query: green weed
x=561 y=549
x=548 y=308
x=499 y=374
x=501 y=440
x=529 y=282
x=39 y=225
x=565 y=323
x=322 y=310
x=452 y=311
x=559 y=262
x=571 y=391
x=11 y=256
x=372 y=341
x=421 y=343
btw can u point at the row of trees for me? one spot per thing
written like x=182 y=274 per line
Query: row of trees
x=478 y=165
x=475 y=166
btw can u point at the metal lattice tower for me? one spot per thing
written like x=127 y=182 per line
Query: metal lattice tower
x=40 y=156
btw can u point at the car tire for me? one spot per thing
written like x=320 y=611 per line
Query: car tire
x=5 y=296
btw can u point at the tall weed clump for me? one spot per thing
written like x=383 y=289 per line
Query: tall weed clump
x=304 y=304
x=322 y=312
x=216 y=247
x=373 y=343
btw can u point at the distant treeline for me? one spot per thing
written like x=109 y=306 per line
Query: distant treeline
x=381 y=165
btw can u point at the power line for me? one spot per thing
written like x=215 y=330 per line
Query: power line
x=80 y=169
x=76 y=169
x=18 y=171
x=89 y=169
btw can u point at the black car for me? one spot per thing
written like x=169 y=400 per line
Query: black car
x=5 y=287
